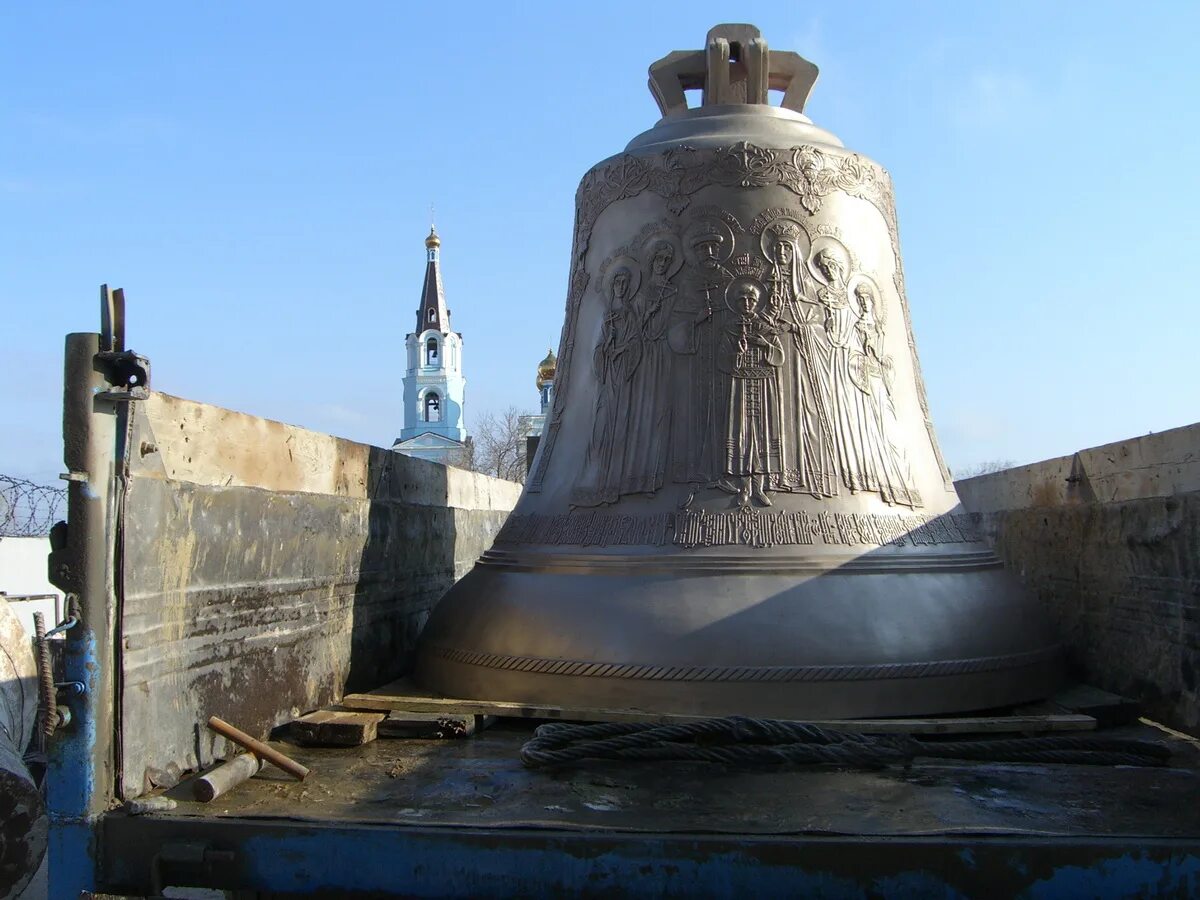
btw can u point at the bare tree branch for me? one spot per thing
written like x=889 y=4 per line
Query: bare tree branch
x=984 y=468
x=499 y=445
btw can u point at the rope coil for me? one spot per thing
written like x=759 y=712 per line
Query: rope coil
x=743 y=740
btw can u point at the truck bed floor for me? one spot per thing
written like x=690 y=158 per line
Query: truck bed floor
x=481 y=783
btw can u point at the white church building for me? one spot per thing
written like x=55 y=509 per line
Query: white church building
x=434 y=424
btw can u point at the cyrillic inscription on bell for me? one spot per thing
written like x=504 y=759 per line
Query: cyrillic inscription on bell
x=739 y=504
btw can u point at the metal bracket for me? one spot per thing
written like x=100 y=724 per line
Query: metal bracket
x=128 y=372
x=112 y=319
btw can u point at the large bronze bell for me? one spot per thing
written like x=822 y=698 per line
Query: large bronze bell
x=738 y=504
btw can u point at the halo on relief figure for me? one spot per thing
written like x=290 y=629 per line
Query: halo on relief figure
x=733 y=294
x=826 y=244
x=632 y=270
x=654 y=245
x=708 y=240
x=786 y=230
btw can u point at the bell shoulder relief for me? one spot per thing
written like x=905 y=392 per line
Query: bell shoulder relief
x=739 y=479
x=691 y=152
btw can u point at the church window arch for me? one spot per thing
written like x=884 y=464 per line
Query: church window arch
x=433 y=407
x=432 y=352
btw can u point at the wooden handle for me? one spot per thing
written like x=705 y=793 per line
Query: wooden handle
x=258 y=748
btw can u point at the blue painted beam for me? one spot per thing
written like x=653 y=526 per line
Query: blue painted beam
x=274 y=855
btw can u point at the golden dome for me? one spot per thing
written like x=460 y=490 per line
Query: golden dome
x=546 y=369
x=433 y=240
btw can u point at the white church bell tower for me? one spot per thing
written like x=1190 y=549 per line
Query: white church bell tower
x=434 y=424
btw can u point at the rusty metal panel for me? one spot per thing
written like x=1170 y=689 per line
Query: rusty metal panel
x=265 y=570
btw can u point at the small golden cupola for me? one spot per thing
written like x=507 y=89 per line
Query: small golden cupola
x=545 y=370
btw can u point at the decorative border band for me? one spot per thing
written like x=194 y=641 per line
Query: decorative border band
x=933 y=669
x=681 y=564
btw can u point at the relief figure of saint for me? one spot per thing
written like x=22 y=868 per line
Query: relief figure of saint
x=751 y=355
x=808 y=451
x=649 y=433
x=841 y=319
x=867 y=458
x=871 y=371
x=697 y=423
x=615 y=359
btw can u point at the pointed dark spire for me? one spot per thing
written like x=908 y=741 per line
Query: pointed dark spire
x=432 y=314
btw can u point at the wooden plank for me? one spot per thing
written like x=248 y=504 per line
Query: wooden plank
x=1178 y=735
x=404 y=695
x=1109 y=710
x=335 y=728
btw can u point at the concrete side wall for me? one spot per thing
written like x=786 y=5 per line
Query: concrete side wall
x=1157 y=465
x=1109 y=539
x=266 y=570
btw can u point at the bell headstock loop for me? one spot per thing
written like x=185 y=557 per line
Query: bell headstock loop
x=735 y=66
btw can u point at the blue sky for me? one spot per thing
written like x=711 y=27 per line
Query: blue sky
x=258 y=178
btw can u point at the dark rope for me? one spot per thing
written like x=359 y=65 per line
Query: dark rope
x=742 y=740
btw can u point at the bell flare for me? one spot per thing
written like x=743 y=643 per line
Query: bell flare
x=738 y=504
x=860 y=639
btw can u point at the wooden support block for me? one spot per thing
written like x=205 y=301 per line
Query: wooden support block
x=335 y=728
x=1107 y=709
x=403 y=695
x=400 y=724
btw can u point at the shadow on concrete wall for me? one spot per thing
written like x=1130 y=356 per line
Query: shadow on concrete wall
x=407 y=563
